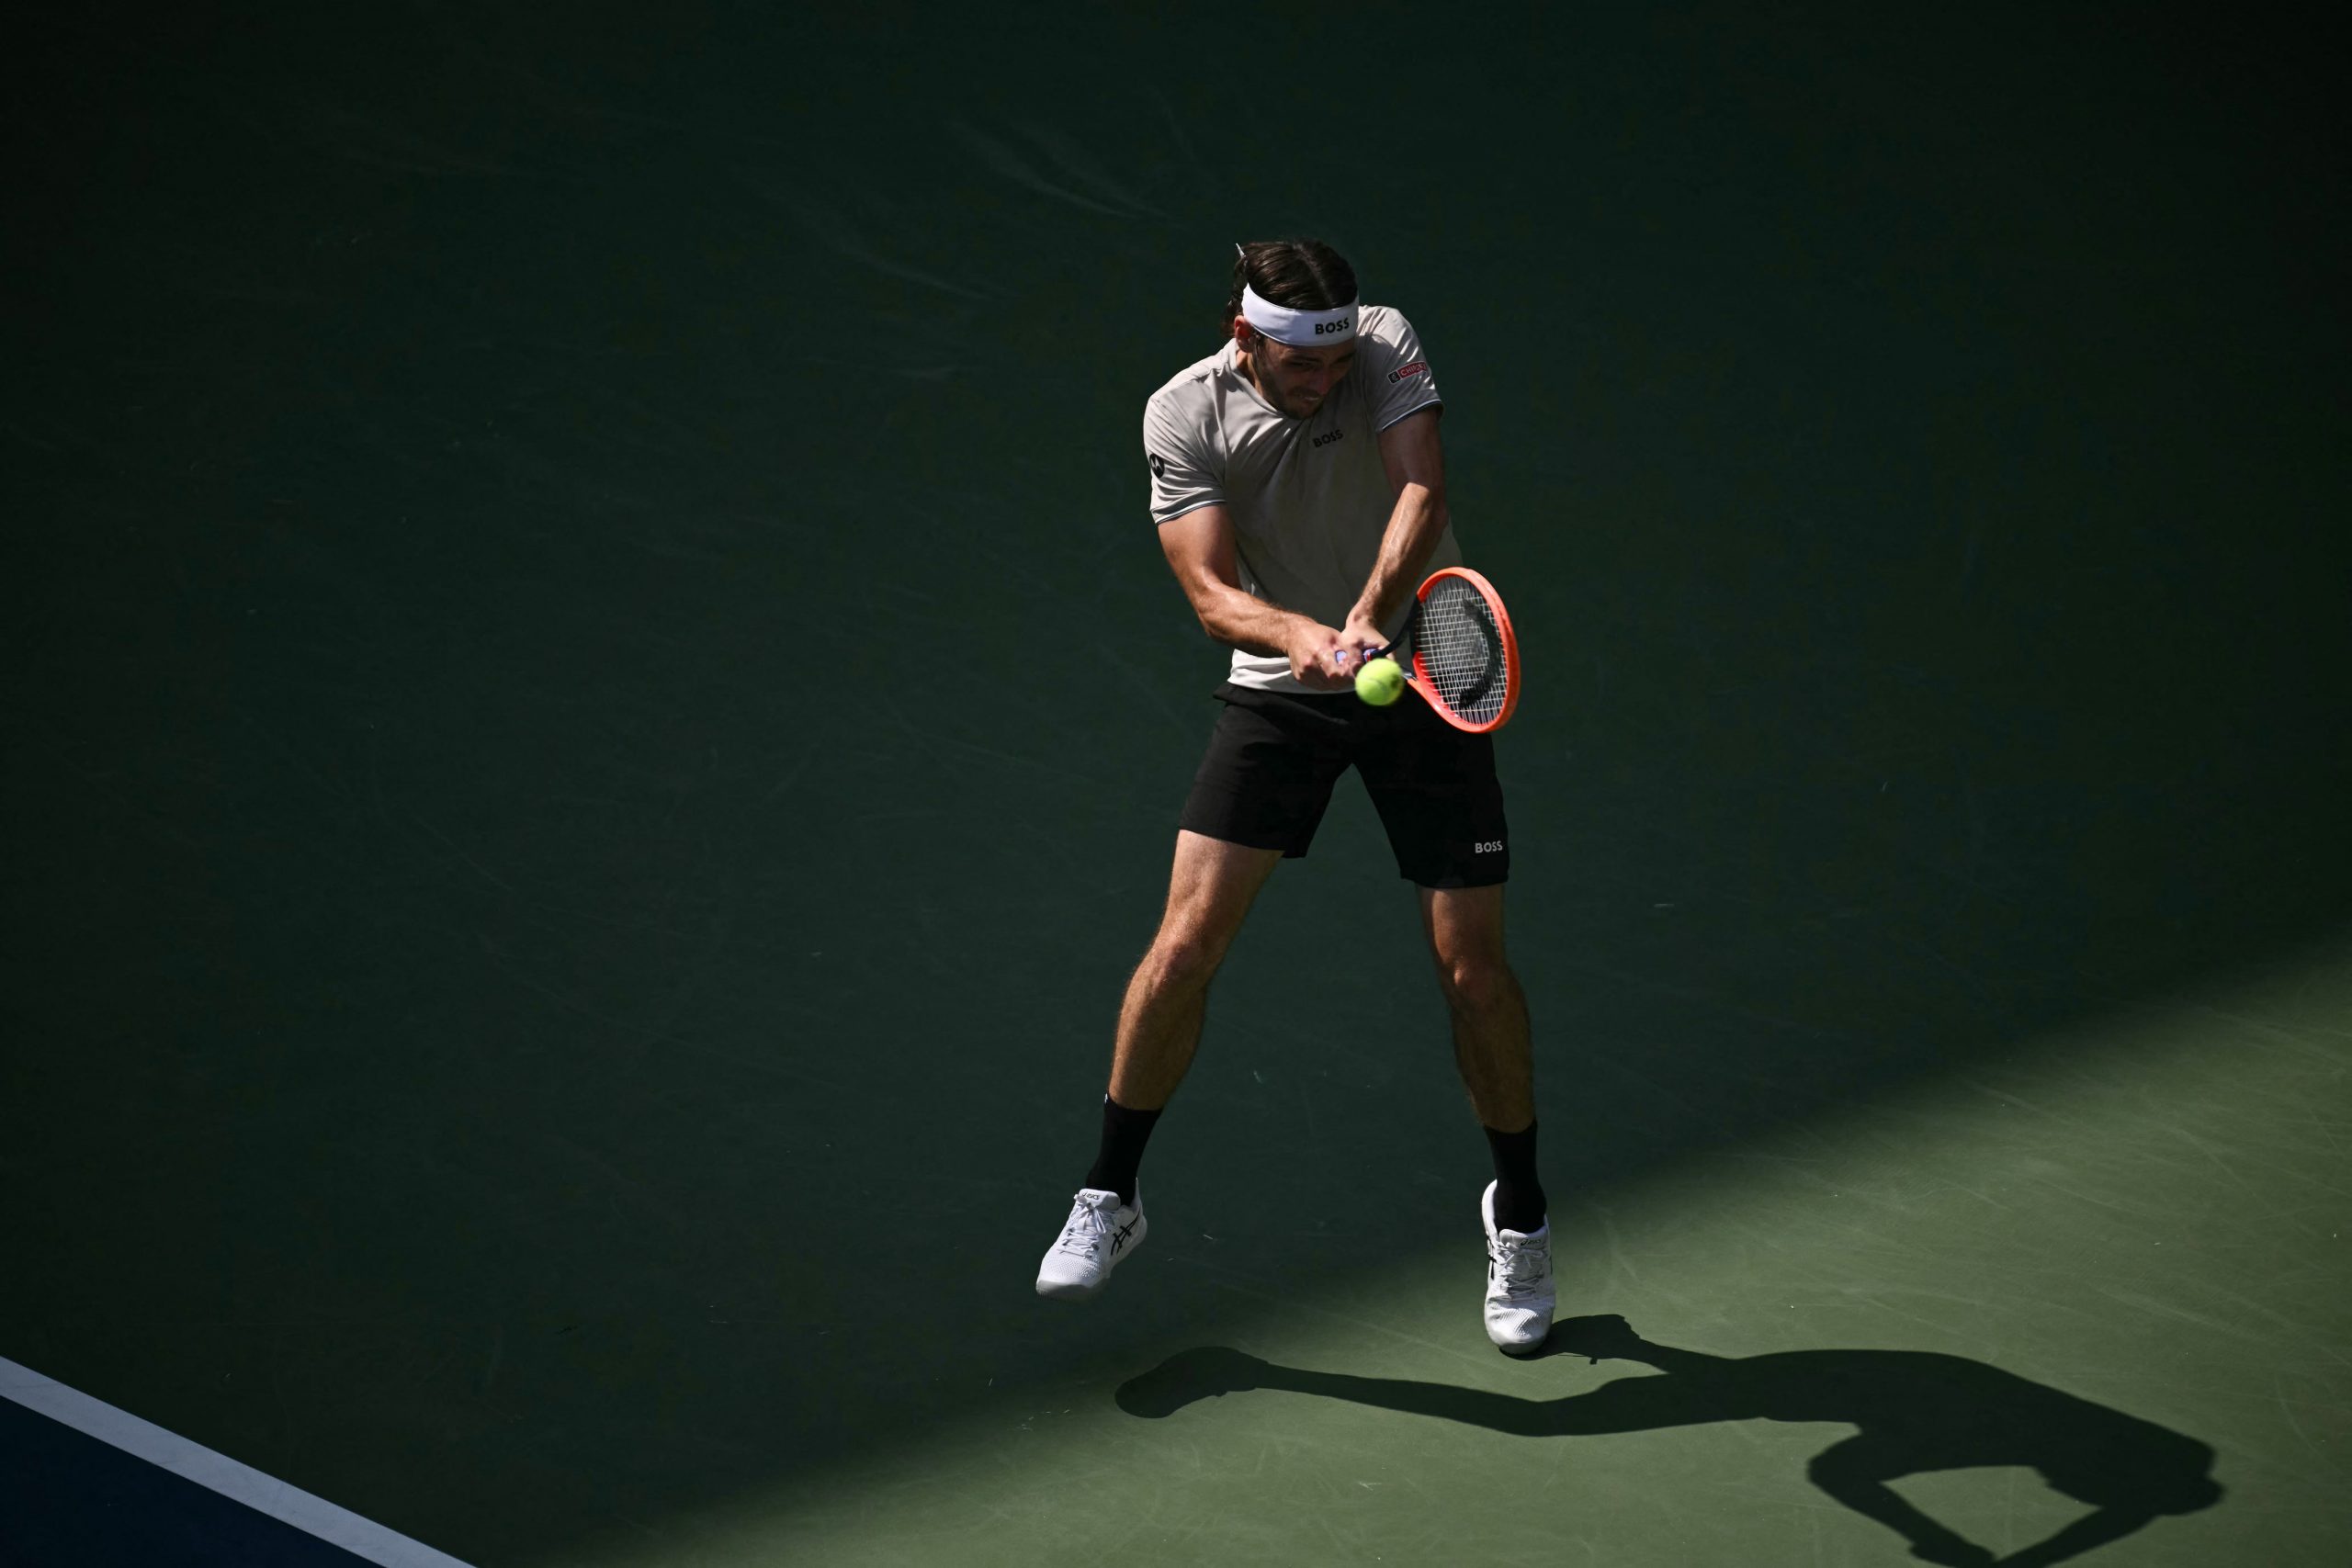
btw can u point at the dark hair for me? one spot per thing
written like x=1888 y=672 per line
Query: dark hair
x=1305 y=275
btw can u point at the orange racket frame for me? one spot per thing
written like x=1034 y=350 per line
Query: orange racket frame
x=1424 y=688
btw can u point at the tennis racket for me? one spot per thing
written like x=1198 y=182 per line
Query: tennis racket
x=1465 y=657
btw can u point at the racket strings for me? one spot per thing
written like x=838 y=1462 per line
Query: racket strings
x=1460 y=650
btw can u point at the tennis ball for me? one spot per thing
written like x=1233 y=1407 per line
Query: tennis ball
x=1380 y=682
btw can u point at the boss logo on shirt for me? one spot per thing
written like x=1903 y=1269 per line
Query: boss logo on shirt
x=1328 y=438
x=1323 y=327
x=1415 y=368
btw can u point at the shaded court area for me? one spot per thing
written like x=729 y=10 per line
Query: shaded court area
x=597 y=724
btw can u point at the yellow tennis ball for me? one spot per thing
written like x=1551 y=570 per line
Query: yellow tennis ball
x=1380 y=682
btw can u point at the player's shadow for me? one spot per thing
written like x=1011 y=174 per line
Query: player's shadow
x=1916 y=1412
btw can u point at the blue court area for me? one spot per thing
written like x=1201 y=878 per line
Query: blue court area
x=70 y=1498
x=595 y=724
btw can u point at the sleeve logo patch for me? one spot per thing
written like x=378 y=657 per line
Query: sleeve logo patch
x=1416 y=367
x=1159 y=466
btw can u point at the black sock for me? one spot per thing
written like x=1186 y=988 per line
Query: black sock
x=1519 y=1196
x=1125 y=1132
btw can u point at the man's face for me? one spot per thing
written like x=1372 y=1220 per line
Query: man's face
x=1296 y=380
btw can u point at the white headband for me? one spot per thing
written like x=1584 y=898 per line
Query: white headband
x=1300 y=329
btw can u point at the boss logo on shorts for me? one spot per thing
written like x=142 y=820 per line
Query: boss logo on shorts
x=1487 y=847
x=1328 y=438
x=1415 y=368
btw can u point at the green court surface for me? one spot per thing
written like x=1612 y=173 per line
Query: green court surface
x=596 y=721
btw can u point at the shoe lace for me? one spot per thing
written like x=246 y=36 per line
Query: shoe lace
x=1084 y=1233
x=1521 y=1265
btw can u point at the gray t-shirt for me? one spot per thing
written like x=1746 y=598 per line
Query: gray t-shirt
x=1309 y=498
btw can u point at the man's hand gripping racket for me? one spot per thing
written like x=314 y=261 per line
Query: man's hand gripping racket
x=1465 y=657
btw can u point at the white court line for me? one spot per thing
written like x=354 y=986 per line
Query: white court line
x=193 y=1461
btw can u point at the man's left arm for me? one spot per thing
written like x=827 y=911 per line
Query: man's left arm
x=1415 y=459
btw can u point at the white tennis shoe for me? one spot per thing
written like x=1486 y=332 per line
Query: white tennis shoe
x=1101 y=1231
x=1519 y=1296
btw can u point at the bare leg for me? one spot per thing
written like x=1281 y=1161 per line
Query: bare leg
x=1209 y=892
x=1490 y=1031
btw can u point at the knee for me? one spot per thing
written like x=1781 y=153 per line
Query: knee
x=1476 y=983
x=1181 y=961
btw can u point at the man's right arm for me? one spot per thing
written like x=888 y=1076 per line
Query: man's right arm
x=1199 y=550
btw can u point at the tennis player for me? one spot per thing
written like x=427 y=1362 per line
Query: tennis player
x=1299 y=489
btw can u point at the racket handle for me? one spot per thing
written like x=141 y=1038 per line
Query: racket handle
x=1388 y=652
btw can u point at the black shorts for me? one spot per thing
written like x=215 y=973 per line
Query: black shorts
x=1274 y=756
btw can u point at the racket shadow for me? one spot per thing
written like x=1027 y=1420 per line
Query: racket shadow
x=1917 y=1412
